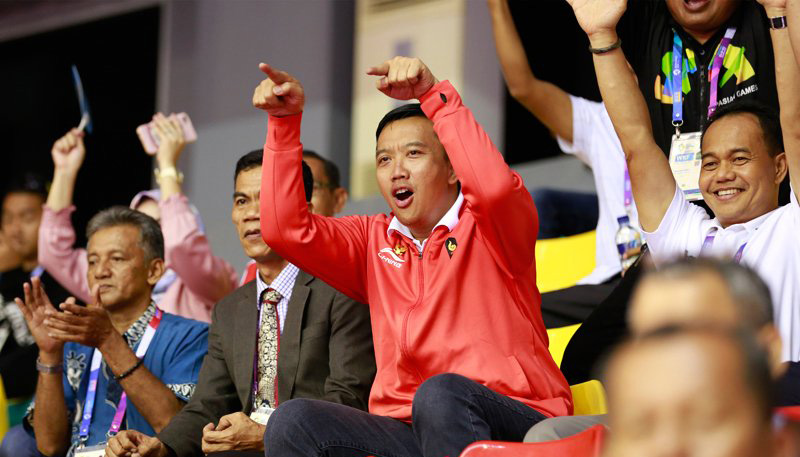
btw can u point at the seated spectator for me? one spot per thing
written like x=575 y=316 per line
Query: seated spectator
x=743 y=163
x=698 y=392
x=695 y=292
x=583 y=128
x=449 y=277
x=324 y=338
x=119 y=363
x=328 y=199
x=21 y=216
x=195 y=279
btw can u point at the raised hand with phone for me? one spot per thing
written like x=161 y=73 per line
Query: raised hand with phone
x=169 y=135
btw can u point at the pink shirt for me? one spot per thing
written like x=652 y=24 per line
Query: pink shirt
x=202 y=278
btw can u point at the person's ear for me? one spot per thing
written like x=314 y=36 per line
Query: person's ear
x=781 y=167
x=155 y=271
x=340 y=197
x=770 y=338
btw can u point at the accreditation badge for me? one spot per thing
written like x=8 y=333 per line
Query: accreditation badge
x=91 y=451
x=685 y=160
x=261 y=415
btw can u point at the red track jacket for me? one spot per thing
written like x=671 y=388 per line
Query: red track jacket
x=472 y=310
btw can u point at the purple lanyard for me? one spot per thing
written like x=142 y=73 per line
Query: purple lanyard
x=709 y=241
x=677 y=75
x=716 y=66
x=91 y=393
x=628 y=190
x=255 y=353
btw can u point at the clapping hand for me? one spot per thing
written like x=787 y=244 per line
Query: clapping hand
x=35 y=309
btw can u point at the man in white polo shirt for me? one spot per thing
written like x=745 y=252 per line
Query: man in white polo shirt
x=743 y=164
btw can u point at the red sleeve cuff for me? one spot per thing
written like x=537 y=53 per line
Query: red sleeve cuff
x=440 y=100
x=283 y=132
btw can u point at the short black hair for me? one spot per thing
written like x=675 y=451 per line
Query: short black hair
x=331 y=170
x=151 y=239
x=28 y=183
x=401 y=112
x=767 y=117
x=255 y=158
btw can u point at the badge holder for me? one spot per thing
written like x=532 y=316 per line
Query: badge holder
x=685 y=160
x=98 y=450
x=261 y=415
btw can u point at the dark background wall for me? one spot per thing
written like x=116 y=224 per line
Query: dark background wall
x=557 y=51
x=116 y=58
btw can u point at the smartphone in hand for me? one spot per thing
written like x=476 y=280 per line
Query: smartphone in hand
x=149 y=136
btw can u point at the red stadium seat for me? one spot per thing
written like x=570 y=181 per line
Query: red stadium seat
x=585 y=444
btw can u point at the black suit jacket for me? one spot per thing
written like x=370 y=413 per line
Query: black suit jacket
x=326 y=353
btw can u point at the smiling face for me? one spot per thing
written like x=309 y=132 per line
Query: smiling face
x=118 y=267
x=739 y=179
x=414 y=175
x=701 y=17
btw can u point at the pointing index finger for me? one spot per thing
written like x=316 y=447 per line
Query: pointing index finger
x=379 y=70
x=277 y=76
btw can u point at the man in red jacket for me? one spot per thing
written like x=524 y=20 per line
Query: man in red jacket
x=450 y=277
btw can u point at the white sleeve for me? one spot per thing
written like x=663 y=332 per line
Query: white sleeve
x=592 y=132
x=679 y=231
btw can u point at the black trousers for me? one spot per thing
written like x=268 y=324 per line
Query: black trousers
x=574 y=304
x=603 y=329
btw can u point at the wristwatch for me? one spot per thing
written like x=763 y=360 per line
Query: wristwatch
x=170 y=172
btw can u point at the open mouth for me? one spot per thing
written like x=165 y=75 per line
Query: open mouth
x=728 y=194
x=253 y=234
x=695 y=5
x=403 y=196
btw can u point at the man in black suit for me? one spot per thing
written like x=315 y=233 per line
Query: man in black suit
x=321 y=339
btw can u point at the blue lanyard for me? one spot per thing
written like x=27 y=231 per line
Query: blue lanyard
x=91 y=392
x=677 y=81
x=677 y=76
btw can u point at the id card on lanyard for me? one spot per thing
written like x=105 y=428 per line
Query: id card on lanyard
x=91 y=392
x=685 y=157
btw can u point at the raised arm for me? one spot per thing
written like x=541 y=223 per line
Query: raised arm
x=56 y=235
x=334 y=250
x=787 y=74
x=545 y=100
x=651 y=177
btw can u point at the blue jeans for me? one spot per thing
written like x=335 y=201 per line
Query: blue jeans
x=449 y=412
x=19 y=443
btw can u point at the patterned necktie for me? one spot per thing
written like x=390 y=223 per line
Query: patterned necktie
x=268 y=349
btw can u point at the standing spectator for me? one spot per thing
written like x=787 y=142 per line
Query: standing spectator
x=119 y=363
x=583 y=128
x=21 y=217
x=195 y=279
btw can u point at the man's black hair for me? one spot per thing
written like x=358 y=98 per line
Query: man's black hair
x=254 y=159
x=331 y=170
x=767 y=117
x=28 y=183
x=401 y=112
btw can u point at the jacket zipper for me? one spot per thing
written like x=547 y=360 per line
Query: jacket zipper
x=404 y=332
